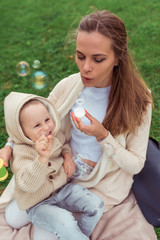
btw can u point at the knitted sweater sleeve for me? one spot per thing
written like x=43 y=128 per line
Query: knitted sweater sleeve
x=30 y=174
x=130 y=158
x=66 y=146
x=60 y=93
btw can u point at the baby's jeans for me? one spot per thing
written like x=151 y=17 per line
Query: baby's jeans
x=54 y=214
x=17 y=218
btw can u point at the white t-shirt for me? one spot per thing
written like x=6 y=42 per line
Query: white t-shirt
x=96 y=102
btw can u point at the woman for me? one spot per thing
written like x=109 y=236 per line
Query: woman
x=117 y=121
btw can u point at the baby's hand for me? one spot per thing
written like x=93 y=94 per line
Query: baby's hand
x=69 y=166
x=43 y=147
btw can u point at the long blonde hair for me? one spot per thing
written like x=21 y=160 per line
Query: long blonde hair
x=129 y=95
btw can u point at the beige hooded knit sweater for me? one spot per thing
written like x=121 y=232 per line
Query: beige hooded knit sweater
x=33 y=181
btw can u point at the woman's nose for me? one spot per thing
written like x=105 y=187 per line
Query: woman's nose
x=87 y=66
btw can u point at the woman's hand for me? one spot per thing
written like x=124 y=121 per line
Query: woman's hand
x=94 y=129
x=5 y=154
x=69 y=166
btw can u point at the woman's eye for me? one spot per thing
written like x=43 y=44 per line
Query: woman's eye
x=99 y=60
x=81 y=57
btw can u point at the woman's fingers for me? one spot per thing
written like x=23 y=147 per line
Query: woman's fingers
x=89 y=116
x=79 y=124
x=95 y=128
x=5 y=154
x=75 y=120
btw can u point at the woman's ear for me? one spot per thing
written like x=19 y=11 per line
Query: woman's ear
x=116 y=62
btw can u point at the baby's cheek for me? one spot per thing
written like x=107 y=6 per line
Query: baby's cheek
x=52 y=127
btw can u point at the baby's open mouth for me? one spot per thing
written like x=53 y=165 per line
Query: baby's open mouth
x=47 y=134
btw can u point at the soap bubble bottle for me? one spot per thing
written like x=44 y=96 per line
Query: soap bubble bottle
x=3 y=171
x=79 y=111
x=82 y=169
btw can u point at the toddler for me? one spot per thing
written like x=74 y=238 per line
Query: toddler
x=39 y=155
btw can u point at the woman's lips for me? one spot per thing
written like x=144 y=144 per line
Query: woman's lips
x=86 y=79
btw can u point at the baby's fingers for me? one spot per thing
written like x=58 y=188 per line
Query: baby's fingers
x=44 y=145
x=50 y=137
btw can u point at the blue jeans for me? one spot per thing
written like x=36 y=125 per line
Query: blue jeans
x=54 y=214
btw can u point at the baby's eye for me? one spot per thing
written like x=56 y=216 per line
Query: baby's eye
x=47 y=119
x=37 y=125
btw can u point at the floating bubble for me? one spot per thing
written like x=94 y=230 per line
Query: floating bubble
x=36 y=64
x=39 y=80
x=22 y=68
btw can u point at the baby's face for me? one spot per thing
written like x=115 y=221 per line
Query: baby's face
x=36 y=121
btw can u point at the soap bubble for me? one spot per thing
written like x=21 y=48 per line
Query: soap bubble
x=39 y=80
x=22 y=68
x=36 y=64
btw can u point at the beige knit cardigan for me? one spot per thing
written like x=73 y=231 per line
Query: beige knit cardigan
x=123 y=156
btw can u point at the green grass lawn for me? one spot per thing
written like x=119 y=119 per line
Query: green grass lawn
x=37 y=29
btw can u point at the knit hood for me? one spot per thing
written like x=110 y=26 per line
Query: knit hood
x=12 y=106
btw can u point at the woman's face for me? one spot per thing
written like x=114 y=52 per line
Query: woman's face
x=95 y=59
